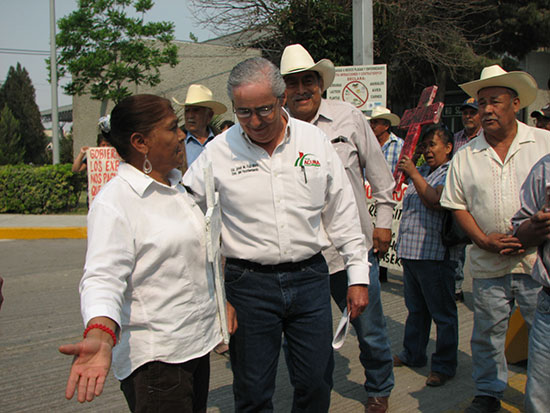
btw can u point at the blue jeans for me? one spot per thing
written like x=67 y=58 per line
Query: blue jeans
x=493 y=303
x=537 y=391
x=268 y=305
x=429 y=288
x=375 y=350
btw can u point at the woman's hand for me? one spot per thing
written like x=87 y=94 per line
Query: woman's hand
x=91 y=364
x=407 y=166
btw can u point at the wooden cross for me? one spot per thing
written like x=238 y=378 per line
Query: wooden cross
x=213 y=220
x=425 y=113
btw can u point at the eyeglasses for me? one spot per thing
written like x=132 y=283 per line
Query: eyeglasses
x=262 y=111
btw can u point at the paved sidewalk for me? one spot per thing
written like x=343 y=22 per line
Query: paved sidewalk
x=20 y=226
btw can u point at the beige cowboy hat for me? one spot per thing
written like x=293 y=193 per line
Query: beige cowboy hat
x=495 y=76
x=296 y=59
x=380 y=112
x=199 y=95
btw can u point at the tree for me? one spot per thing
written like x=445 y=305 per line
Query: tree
x=11 y=150
x=104 y=49
x=423 y=42
x=18 y=94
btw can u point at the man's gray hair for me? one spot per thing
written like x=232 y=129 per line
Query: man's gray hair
x=253 y=71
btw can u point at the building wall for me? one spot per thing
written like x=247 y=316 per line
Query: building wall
x=537 y=64
x=202 y=63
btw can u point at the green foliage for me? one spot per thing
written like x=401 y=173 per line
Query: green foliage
x=26 y=189
x=104 y=49
x=18 y=94
x=65 y=150
x=11 y=151
x=193 y=38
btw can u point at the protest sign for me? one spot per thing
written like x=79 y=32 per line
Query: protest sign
x=389 y=260
x=102 y=165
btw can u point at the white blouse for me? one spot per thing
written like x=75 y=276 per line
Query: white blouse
x=146 y=269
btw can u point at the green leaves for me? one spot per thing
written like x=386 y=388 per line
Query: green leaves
x=104 y=49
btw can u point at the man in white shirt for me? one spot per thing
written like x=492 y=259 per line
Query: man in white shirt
x=362 y=157
x=482 y=187
x=280 y=183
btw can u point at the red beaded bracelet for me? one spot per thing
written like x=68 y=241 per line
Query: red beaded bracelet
x=101 y=327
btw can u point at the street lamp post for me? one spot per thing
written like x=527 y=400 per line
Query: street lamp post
x=53 y=74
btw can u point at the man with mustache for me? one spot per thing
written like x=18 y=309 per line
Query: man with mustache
x=357 y=147
x=482 y=188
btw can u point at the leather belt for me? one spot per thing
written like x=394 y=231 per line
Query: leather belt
x=283 y=267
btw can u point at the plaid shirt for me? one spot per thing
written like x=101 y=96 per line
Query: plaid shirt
x=420 y=228
x=391 y=150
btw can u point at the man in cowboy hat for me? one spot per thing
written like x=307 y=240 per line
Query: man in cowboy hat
x=199 y=108
x=381 y=120
x=359 y=150
x=283 y=195
x=542 y=117
x=482 y=188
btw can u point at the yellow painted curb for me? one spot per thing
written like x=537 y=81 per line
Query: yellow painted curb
x=42 y=232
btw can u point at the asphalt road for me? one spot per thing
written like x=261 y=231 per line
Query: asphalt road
x=41 y=311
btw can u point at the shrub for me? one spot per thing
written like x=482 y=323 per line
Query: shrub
x=26 y=189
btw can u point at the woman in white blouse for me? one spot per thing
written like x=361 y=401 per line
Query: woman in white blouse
x=147 y=295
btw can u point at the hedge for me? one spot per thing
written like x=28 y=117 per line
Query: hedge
x=26 y=189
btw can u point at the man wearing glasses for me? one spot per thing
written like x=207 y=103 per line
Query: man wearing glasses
x=360 y=152
x=280 y=182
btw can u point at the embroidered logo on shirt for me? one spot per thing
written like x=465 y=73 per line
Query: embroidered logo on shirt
x=245 y=168
x=306 y=159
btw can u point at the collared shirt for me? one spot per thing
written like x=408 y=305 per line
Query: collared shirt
x=360 y=153
x=488 y=188
x=532 y=200
x=392 y=150
x=460 y=139
x=146 y=270
x=193 y=147
x=420 y=229
x=273 y=207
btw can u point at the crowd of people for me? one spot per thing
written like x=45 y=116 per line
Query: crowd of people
x=296 y=231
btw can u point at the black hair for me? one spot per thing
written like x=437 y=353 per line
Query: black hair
x=442 y=131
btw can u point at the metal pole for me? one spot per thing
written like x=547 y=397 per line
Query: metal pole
x=53 y=74
x=363 y=38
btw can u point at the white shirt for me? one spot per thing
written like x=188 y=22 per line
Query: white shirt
x=146 y=270
x=480 y=183
x=273 y=206
x=359 y=150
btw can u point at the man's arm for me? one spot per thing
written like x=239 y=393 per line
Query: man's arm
x=535 y=230
x=380 y=178
x=504 y=244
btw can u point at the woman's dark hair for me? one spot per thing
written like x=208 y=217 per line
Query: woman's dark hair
x=102 y=137
x=226 y=123
x=442 y=131
x=138 y=113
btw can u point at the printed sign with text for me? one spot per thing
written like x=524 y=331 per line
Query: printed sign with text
x=102 y=165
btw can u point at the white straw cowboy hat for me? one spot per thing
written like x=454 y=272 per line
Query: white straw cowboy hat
x=296 y=59
x=380 y=112
x=199 y=95
x=495 y=76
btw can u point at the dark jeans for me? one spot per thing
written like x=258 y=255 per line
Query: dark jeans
x=375 y=350
x=429 y=294
x=162 y=387
x=270 y=304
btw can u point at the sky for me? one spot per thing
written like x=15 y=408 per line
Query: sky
x=25 y=24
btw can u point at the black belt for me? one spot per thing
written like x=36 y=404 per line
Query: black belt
x=283 y=267
x=546 y=290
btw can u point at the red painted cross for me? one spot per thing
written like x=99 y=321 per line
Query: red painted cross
x=424 y=113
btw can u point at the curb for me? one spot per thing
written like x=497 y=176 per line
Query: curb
x=42 y=232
